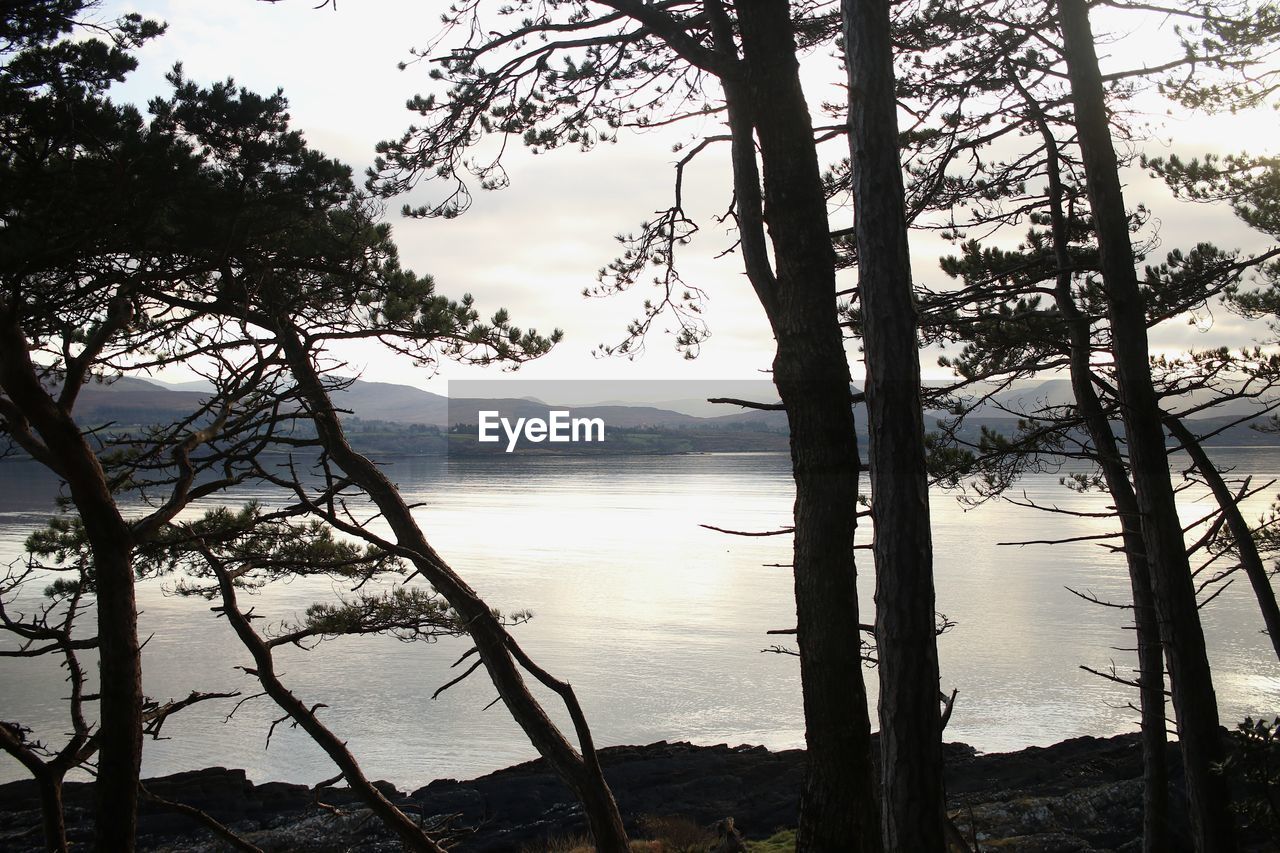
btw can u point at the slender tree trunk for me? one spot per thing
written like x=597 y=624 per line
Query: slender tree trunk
x=838 y=808
x=498 y=650
x=120 y=681
x=51 y=812
x=1155 y=798
x=1155 y=773
x=913 y=800
x=1193 y=696
x=48 y=779
x=120 y=661
x=1246 y=547
x=1151 y=704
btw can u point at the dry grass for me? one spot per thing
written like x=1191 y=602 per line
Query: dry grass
x=582 y=844
x=676 y=834
x=779 y=842
x=669 y=834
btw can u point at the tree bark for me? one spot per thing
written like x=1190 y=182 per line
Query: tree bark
x=913 y=804
x=51 y=813
x=120 y=661
x=498 y=650
x=838 y=807
x=120 y=676
x=1193 y=696
x=48 y=779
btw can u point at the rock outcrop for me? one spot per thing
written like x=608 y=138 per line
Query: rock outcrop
x=1081 y=795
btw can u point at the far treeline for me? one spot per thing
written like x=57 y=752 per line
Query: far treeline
x=203 y=231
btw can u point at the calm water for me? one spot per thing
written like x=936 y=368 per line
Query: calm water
x=657 y=622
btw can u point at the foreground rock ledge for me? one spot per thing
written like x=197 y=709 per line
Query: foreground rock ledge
x=1083 y=794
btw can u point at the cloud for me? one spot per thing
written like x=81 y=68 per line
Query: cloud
x=532 y=248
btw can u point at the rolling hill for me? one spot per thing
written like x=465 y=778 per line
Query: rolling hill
x=132 y=402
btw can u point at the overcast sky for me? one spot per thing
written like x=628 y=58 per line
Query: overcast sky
x=532 y=248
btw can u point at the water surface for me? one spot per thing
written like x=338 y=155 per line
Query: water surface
x=657 y=622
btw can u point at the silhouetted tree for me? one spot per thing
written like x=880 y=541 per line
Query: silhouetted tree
x=1250 y=186
x=131 y=245
x=1193 y=695
x=579 y=73
x=912 y=797
x=86 y=192
x=52 y=629
x=337 y=277
x=983 y=78
x=226 y=552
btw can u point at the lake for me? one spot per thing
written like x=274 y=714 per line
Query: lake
x=657 y=622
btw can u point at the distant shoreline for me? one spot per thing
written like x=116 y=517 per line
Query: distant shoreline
x=602 y=452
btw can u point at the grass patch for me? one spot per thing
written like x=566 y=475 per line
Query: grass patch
x=783 y=841
x=671 y=835
x=582 y=844
x=676 y=834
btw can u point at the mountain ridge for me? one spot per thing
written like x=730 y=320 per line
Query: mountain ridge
x=133 y=400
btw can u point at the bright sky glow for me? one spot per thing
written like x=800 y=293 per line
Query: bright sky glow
x=533 y=247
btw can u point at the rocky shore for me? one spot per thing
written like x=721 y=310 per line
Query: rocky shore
x=1083 y=794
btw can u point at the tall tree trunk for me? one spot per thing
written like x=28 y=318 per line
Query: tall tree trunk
x=837 y=808
x=120 y=660
x=502 y=656
x=1246 y=547
x=1193 y=696
x=120 y=679
x=1155 y=772
x=913 y=804
x=51 y=813
x=1155 y=797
